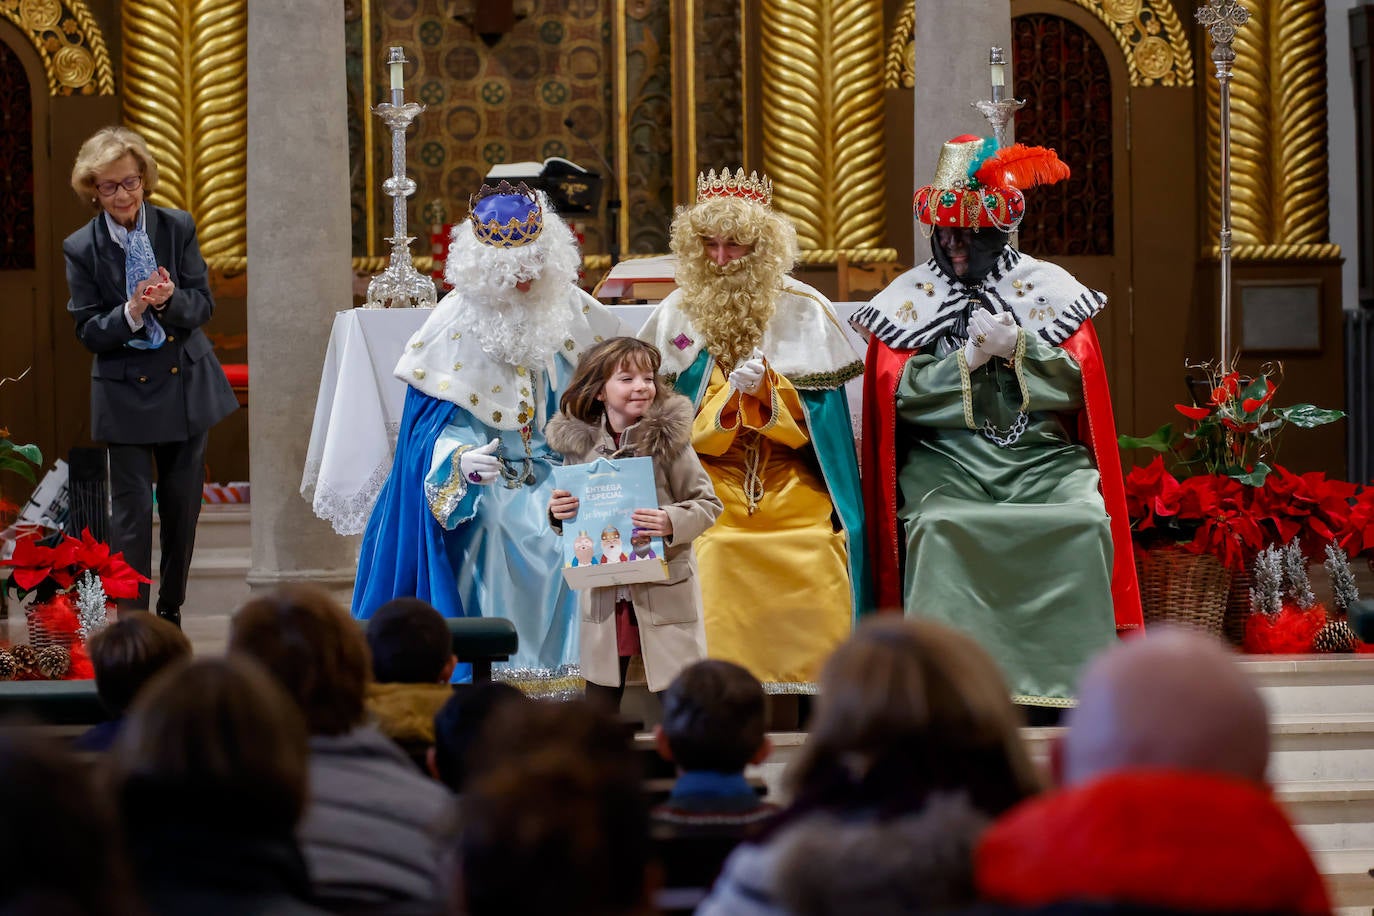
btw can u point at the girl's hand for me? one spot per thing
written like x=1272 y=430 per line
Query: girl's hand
x=562 y=505
x=653 y=522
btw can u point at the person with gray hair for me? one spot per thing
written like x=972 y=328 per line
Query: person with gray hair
x=1163 y=801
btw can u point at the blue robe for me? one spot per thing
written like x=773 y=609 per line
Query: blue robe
x=494 y=554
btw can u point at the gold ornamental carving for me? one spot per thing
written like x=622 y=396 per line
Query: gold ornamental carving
x=69 y=43
x=822 y=117
x=1279 y=197
x=186 y=92
x=1153 y=42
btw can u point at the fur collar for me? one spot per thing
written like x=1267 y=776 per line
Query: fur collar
x=663 y=432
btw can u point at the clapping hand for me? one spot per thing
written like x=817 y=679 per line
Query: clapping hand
x=156 y=290
x=747 y=377
x=480 y=465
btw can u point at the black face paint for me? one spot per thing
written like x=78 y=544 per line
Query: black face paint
x=985 y=246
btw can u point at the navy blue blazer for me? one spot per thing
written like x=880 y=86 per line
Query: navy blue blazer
x=147 y=396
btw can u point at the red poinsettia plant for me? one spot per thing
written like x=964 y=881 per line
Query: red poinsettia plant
x=46 y=565
x=1222 y=492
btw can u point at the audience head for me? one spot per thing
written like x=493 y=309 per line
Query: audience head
x=554 y=816
x=128 y=652
x=458 y=727
x=713 y=715
x=410 y=643
x=908 y=707
x=313 y=648
x=60 y=851
x=217 y=740
x=1174 y=699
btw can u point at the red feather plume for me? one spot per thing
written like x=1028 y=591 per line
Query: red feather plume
x=1021 y=166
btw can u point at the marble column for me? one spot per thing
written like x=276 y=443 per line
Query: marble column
x=298 y=274
x=952 y=42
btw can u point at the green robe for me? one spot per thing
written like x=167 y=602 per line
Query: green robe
x=1010 y=544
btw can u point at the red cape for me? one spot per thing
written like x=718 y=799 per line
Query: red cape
x=1170 y=839
x=1096 y=429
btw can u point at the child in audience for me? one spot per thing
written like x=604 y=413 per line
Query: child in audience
x=712 y=729
x=125 y=655
x=615 y=407
x=458 y=728
x=375 y=831
x=554 y=818
x=412 y=661
x=209 y=775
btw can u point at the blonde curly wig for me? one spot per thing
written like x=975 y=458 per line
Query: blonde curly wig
x=731 y=306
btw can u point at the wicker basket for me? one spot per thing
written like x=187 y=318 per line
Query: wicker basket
x=1182 y=588
x=1237 y=609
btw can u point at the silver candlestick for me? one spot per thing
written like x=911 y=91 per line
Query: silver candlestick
x=999 y=110
x=400 y=285
x=1222 y=19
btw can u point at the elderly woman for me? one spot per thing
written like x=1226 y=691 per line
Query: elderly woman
x=139 y=295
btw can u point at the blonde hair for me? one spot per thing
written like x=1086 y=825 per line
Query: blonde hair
x=104 y=148
x=601 y=362
x=732 y=324
x=919 y=704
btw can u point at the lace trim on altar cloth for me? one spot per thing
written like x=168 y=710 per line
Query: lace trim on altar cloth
x=806 y=688
x=348 y=513
x=1055 y=702
x=562 y=683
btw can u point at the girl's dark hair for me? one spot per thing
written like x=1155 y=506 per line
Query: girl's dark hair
x=597 y=365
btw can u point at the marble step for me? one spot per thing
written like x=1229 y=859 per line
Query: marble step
x=218 y=582
x=1313 y=684
x=220 y=525
x=1331 y=815
x=1347 y=878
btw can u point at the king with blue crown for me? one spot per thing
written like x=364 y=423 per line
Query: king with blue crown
x=460 y=521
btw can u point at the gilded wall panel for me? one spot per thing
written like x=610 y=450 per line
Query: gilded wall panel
x=68 y=41
x=186 y=92
x=1279 y=197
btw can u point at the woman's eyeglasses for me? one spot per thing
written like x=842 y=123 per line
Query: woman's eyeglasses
x=109 y=188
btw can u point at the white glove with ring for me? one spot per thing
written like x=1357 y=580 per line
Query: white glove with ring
x=748 y=375
x=990 y=335
x=480 y=465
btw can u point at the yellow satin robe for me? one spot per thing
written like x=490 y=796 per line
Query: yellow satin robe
x=774 y=567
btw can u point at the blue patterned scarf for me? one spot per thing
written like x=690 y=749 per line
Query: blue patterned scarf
x=139 y=264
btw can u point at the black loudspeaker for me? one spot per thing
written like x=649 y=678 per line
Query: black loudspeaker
x=88 y=492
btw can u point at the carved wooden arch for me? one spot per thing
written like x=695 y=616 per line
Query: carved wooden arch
x=1153 y=41
x=69 y=43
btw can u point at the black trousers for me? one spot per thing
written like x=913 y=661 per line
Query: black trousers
x=180 y=468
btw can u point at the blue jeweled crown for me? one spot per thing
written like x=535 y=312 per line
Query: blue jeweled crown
x=506 y=216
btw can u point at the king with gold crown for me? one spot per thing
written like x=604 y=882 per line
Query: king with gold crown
x=460 y=521
x=764 y=359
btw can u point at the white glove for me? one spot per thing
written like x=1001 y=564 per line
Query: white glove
x=748 y=375
x=989 y=336
x=480 y=465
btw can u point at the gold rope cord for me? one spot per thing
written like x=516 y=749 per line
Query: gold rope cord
x=822 y=116
x=186 y=92
x=1279 y=196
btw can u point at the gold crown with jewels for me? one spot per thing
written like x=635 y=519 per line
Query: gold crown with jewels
x=500 y=223
x=753 y=188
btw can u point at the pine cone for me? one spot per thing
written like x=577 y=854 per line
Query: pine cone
x=8 y=669
x=1335 y=636
x=54 y=662
x=25 y=660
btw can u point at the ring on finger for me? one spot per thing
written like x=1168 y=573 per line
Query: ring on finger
x=979 y=340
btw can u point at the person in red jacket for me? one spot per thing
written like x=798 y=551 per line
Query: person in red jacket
x=1163 y=804
x=993 y=492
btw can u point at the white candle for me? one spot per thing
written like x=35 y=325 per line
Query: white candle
x=397 y=74
x=999 y=74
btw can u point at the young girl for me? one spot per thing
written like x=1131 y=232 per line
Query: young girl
x=615 y=407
